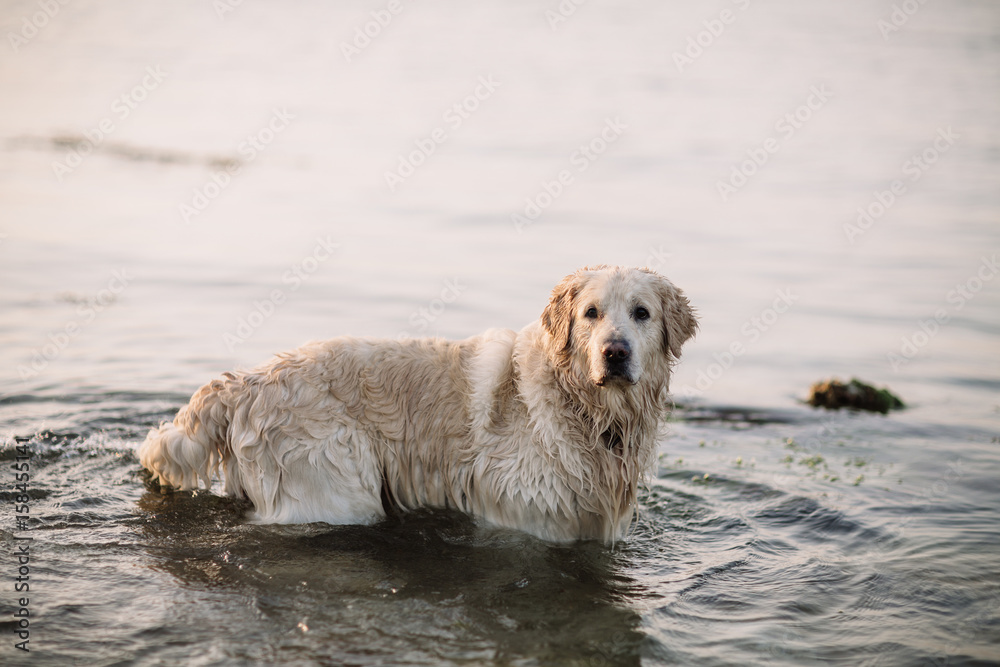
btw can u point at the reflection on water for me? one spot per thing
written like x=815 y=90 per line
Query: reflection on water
x=429 y=585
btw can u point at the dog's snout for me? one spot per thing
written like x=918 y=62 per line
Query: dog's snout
x=616 y=351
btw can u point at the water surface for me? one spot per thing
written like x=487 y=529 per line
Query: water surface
x=234 y=203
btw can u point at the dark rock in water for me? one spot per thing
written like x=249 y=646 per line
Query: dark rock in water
x=834 y=394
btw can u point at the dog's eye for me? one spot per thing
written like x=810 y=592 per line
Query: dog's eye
x=591 y=313
x=641 y=313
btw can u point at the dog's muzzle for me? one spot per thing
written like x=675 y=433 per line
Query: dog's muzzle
x=617 y=355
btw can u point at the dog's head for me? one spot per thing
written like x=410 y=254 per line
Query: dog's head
x=614 y=326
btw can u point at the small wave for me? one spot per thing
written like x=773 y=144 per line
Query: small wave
x=76 y=142
x=739 y=417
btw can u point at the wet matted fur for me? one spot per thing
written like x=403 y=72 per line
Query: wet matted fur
x=549 y=430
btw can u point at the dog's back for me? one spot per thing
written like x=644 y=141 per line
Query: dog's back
x=328 y=432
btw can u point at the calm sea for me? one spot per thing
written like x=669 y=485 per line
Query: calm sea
x=193 y=188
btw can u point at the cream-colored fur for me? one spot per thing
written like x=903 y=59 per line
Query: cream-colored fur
x=535 y=430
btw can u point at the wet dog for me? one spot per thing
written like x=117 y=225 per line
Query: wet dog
x=549 y=430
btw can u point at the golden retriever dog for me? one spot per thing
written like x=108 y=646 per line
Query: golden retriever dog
x=549 y=430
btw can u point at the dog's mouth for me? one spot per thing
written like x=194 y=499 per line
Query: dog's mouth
x=616 y=377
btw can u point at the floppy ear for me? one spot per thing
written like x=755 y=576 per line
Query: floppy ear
x=679 y=320
x=557 y=318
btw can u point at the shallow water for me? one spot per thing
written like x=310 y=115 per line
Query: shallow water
x=772 y=533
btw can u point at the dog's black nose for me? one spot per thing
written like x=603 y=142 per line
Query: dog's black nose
x=616 y=351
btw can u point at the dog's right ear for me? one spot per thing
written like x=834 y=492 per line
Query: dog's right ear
x=557 y=318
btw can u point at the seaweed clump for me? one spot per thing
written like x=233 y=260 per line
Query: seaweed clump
x=857 y=395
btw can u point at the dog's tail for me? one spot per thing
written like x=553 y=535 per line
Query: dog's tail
x=187 y=452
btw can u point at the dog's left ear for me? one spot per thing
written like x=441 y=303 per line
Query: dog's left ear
x=679 y=319
x=557 y=318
